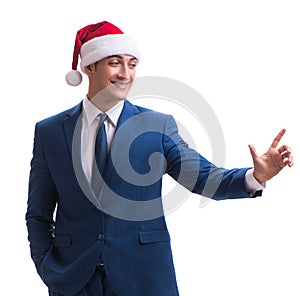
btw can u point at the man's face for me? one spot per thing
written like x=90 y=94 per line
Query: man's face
x=114 y=76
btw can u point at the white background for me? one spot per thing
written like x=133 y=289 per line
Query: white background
x=241 y=56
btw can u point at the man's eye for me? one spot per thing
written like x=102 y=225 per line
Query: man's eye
x=133 y=65
x=114 y=63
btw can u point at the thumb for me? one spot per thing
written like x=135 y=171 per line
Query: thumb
x=252 y=151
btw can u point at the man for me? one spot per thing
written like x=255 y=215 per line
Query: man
x=109 y=235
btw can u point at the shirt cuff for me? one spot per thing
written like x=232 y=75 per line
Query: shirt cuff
x=251 y=184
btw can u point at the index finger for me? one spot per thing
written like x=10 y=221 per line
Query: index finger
x=278 y=138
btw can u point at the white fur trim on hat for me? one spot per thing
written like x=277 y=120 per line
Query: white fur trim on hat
x=99 y=48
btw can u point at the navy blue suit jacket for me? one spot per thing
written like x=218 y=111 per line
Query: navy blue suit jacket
x=136 y=252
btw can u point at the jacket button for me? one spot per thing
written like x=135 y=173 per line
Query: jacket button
x=100 y=237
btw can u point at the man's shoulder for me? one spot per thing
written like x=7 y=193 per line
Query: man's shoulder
x=141 y=109
x=56 y=118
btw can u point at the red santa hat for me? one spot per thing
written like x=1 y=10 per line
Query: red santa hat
x=96 y=42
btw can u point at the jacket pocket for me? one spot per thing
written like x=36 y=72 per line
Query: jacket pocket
x=154 y=236
x=63 y=240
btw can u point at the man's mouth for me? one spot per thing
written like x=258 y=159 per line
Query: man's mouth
x=120 y=85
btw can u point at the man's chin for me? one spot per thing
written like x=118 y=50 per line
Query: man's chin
x=109 y=95
x=118 y=93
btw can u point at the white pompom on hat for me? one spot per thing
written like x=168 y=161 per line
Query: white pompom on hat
x=96 y=42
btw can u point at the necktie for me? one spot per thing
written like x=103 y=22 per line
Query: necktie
x=99 y=161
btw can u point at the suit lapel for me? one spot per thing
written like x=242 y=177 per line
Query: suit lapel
x=128 y=111
x=70 y=122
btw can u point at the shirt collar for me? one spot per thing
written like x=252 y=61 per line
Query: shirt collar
x=91 y=111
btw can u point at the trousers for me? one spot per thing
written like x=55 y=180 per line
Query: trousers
x=97 y=286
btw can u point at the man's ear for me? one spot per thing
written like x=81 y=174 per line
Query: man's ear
x=89 y=69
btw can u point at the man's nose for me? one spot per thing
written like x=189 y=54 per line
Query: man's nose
x=123 y=72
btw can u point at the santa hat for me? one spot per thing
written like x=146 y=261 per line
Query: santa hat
x=96 y=42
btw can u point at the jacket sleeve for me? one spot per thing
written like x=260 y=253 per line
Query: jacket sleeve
x=197 y=174
x=42 y=197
